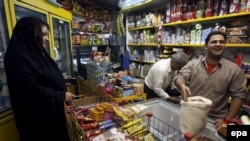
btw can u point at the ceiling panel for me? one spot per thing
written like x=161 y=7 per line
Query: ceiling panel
x=108 y=4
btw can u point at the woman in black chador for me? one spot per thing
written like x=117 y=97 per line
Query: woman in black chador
x=36 y=85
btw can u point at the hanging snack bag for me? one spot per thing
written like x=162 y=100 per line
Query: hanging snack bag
x=248 y=6
x=193 y=114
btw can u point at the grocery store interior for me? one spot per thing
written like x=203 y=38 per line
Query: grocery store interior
x=105 y=49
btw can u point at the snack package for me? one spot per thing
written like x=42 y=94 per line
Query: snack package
x=222 y=131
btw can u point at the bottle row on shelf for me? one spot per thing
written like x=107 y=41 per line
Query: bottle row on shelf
x=237 y=33
x=184 y=10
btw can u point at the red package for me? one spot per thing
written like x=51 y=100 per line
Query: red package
x=84 y=110
x=209 y=8
x=190 y=13
x=90 y=126
x=234 y=8
x=93 y=133
x=173 y=14
x=83 y=119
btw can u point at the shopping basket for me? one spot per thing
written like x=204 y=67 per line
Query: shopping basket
x=160 y=130
x=74 y=128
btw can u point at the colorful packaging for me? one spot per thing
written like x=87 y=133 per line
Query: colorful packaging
x=223 y=8
x=234 y=7
x=248 y=6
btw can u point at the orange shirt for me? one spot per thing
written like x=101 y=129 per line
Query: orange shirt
x=210 y=67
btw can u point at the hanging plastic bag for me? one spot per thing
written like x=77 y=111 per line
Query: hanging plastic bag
x=121 y=3
x=193 y=114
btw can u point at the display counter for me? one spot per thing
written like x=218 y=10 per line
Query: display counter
x=86 y=89
x=169 y=113
x=164 y=115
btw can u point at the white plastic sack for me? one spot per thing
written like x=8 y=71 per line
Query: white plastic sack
x=193 y=114
x=124 y=3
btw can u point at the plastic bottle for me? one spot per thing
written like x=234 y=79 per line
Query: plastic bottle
x=189 y=137
x=239 y=60
x=245 y=119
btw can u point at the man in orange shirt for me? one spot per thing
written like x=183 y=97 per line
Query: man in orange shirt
x=215 y=78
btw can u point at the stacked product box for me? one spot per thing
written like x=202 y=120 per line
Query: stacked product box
x=96 y=72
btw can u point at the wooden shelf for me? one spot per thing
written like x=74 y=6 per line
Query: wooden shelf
x=190 y=45
x=247 y=76
x=82 y=46
x=134 y=60
x=143 y=45
x=143 y=77
x=136 y=6
x=140 y=28
x=238 y=45
x=201 y=20
x=147 y=62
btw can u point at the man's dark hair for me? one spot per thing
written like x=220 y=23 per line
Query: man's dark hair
x=215 y=33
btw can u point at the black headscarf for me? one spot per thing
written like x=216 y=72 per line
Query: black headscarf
x=36 y=85
x=28 y=31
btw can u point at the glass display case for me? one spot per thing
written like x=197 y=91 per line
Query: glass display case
x=8 y=131
x=4 y=37
x=62 y=44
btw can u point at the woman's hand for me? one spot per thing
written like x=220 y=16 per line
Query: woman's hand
x=69 y=97
x=67 y=84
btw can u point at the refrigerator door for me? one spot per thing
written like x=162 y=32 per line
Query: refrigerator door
x=4 y=37
x=61 y=44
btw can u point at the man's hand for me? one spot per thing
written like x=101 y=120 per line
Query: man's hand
x=182 y=88
x=185 y=91
x=174 y=99
x=218 y=123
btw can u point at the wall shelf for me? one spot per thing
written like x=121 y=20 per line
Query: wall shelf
x=193 y=22
x=133 y=32
x=143 y=45
x=147 y=62
x=189 y=45
x=247 y=76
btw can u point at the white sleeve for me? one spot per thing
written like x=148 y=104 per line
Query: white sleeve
x=158 y=85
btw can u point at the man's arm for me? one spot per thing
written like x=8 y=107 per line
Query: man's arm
x=234 y=108
x=232 y=113
x=160 y=91
x=182 y=88
x=238 y=92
